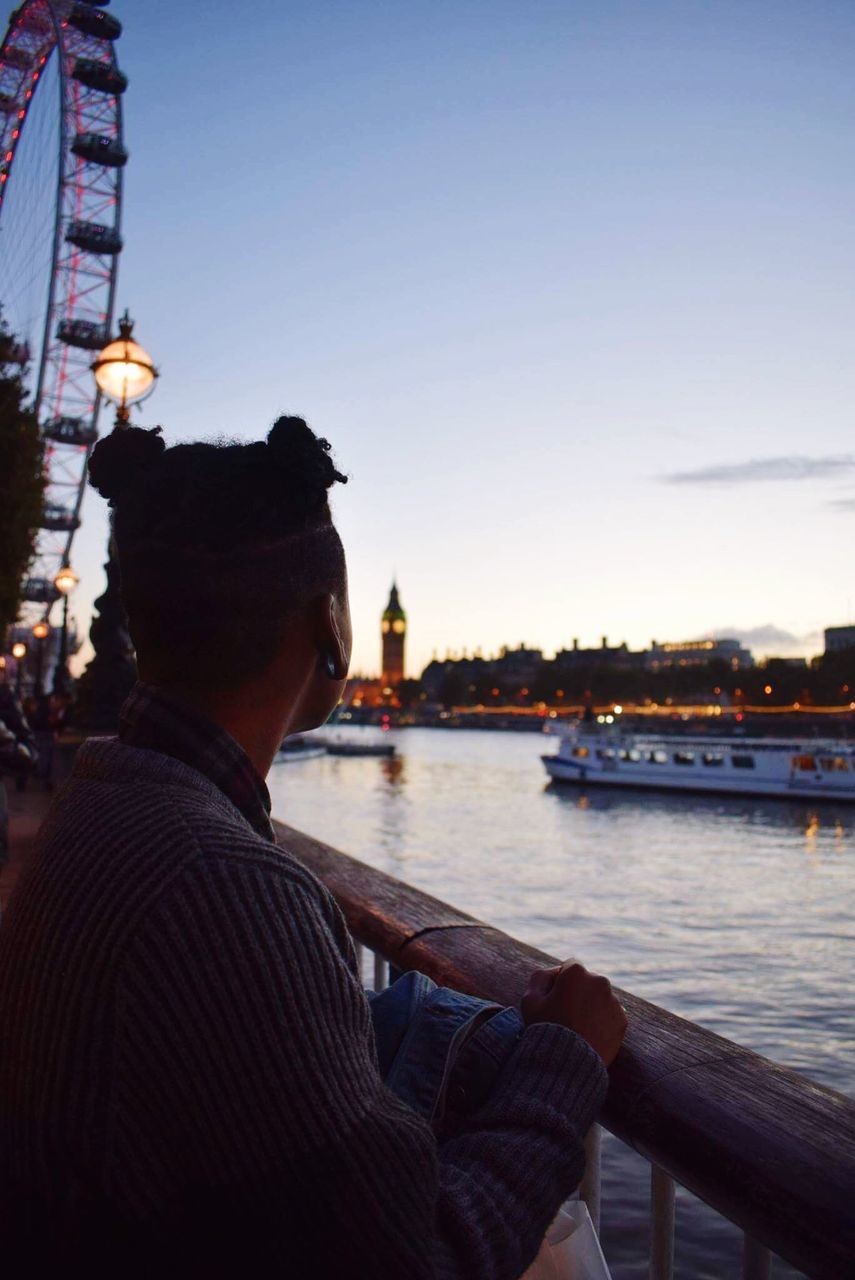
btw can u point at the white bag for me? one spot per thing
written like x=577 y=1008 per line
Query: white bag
x=571 y=1250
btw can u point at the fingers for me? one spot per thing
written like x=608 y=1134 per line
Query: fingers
x=542 y=981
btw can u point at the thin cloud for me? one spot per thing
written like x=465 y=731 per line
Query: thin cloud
x=842 y=504
x=768 y=639
x=797 y=467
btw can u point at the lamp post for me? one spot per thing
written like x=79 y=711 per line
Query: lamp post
x=41 y=631
x=125 y=374
x=19 y=653
x=65 y=582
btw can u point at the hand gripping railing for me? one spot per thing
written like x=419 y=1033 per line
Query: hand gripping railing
x=764 y=1147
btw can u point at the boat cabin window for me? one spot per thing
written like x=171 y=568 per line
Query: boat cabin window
x=834 y=764
x=684 y=757
x=807 y=764
x=658 y=757
x=742 y=762
x=581 y=752
x=605 y=753
x=712 y=758
x=630 y=755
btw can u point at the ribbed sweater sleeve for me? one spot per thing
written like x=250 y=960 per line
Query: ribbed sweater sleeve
x=250 y=1114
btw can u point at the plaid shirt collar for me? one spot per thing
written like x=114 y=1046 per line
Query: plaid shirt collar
x=151 y=718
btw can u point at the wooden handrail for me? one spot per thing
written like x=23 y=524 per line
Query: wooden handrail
x=762 y=1145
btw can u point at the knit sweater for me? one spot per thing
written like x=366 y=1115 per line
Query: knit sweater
x=188 y=1076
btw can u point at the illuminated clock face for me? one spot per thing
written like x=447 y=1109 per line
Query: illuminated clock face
x=398 y=627
x=385 y=626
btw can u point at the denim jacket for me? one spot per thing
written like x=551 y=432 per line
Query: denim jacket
x=440 y=1051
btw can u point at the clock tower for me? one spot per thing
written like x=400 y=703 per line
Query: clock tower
x=393 y=631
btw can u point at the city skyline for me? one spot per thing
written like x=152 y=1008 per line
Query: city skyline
x=569 y=292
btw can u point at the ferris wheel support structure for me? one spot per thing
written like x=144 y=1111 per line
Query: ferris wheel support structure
x=86 y=243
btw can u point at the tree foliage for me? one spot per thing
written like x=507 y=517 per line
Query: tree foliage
x=21 y=480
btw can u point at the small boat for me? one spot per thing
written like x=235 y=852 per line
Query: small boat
x=799 y=768
x=300 y=748
x=361 y=749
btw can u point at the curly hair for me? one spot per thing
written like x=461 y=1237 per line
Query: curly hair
x=218 y=544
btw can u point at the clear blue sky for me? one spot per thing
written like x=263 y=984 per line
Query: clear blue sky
x=569 y=286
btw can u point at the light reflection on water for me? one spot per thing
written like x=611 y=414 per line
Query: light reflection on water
x=731 y=911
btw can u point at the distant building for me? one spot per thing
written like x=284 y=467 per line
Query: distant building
x=619 y=656
x=837 y=638
x=393 y=634
x=517 y=667
x=697 y=653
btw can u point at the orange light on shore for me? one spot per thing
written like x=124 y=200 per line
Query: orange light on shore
x=66 y=580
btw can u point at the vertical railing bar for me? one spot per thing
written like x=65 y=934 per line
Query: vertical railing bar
x=381 y=972
x=756 y=1260
x=360 y=957
x=662 y=1196
x=589 y=1188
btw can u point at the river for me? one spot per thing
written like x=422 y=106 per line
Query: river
x=733 y=912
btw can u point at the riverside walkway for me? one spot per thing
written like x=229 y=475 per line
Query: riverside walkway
x=766 y=1148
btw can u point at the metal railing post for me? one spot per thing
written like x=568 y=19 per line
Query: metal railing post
x=756 y=1260
x=381 y=972
x=589 y=1187
x=662 y=1194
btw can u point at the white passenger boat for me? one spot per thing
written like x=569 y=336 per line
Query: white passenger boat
x=807 y=769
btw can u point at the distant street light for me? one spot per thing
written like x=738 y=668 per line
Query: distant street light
x=41 y=631
x=19 y=653
x=65 y=582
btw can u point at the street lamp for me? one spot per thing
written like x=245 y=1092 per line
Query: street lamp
x=124 y=372
x=65 y=582
x=19 y=653
x=41 y=631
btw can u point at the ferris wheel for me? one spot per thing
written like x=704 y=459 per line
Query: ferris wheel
x=61 y=160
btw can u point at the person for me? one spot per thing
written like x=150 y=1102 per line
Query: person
x=189 y=1076
x=40 y=713
x=17 y=757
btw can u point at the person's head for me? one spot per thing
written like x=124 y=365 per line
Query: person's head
x=232 y=571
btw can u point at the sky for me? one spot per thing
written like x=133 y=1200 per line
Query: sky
x=567 y=285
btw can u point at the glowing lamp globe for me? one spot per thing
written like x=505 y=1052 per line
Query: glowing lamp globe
x=19 y=650
x=41 y=631
x=124 y=371
x=66 y=580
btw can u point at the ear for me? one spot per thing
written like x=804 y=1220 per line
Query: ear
x=332 y=642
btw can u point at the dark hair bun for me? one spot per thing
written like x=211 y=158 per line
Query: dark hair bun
x=302 y=461
x=120 y=458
